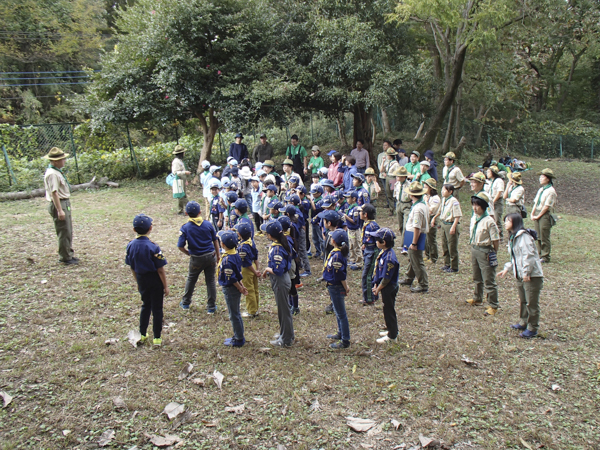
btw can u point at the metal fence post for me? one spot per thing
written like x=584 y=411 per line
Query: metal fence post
x=132 y=151
x=71 y=129
x=561 y=150
x=11 y=174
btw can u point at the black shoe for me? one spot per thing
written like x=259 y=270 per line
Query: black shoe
x=335 y=337
x=295 y=311
x=451 y=270
x=329 y=309
x=70 y=262
x=445 y=268
x=181 y=213
x=418 y=290
x=406 y=282
x=340 y=344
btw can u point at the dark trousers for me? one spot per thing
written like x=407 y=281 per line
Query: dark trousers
x=361 y=170
x=204 y=263
x=215 y=222
x=370 y=256
x=388 y=298
x=307 y=230
x=317 y=238
x=152 y=290
x=258 y=220
x=232 y=299
x=64 y=230
x=337 y=294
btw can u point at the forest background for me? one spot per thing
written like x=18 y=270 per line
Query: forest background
x=131 y=78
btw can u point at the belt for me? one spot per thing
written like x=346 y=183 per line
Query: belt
x=204 y=254
x=483 y=248
x=447 y=223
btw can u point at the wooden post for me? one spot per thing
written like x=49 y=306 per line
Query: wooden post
x=132 y=151
x=11 y=175
x=71 y=128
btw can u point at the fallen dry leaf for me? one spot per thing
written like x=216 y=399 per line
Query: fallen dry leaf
x=427 y=442
x=315 y=406
x=184 y=418
x=209 y=424
x=198 y=382
x=119 y=403
x=264 y=350
x=187 y=369
x=173 y=409
x=526 y=444
x=375 y=430
x=360 y=425
x=134 y=336
x=106 y=437
x=236 y=409
x=111 y=341
x=467 y=361
x=6 y=399
x=380 y=400
x=281 y=447
x=395 y=423
x=556 y=387
x=160 y=441
x=66 y=432
x=218 y=377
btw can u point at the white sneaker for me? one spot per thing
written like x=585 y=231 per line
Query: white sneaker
x=385 y=339
x=247 y=314
x=383 y=333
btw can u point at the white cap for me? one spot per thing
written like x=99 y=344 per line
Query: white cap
x=213 y=169
x=214 y=183
x=425 y=163
x=323 y=170
x=258 y=165
x=260 y=173
x=205 y=164
x=232 y=162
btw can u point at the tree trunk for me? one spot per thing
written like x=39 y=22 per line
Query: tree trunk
x=458 y=108
x=341 y=123
x=565 y=88
x=449 y=130
x=209 y=130
x=419 y=131
x=93 y=184
x=459 y=148
x=362 y=126
x=385 y=121
x=447 y=101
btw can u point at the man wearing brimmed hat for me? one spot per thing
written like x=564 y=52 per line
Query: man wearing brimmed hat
x=58 y=193
x=390 y=165
x=403 y=200
x=484 y=241
x=541 y=213
x=269 y=167
x=417 y=227
x=297 y=153
x=181 y=173
x=423 y=175
x=262 y=151
x=452 y=174
x=514 y=194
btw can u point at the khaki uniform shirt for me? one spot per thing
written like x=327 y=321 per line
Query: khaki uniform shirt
x=178 y=168
x=517 y=195
x=434 y=203
x=454 y=178
x=493 y=187
x=373 y=189
x=54 y=181
x=418 y=218
x=548 y=198
x=450 y=209
x=485 y=233
x=399 y=193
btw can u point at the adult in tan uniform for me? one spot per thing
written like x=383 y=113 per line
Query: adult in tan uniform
x=433 y=203
x=450 y=215
x=514 y=194
x=495 y=189
x=484 y=241
x=451 y=174
x=403 y=201
x=543 y=207
x=477 y=181
x=179 y=189
x=58 y=193
x=418 y=223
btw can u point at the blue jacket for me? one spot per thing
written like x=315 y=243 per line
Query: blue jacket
x=279 y=259
x=230 y=269
x=199 y=238
x=238 y=152
x=348 y=172
x=386 y=267
x=334 y=271
x=248 y=252
x=144 y=256
x=367 y=239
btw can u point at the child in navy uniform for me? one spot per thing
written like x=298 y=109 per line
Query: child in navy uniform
x=385 y=281
x=147 y=265
x=240 y=207
x=370 y=252
x=250 y=271
x=334 y=273
x=216 y=205
x=353 y=224
x=203 y=250
x=357 y=183
x=278 y=267
x=230 y=280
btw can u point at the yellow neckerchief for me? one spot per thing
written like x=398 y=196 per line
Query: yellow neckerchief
x=141 y=235
x=231 y=251
x=377 y=262
x=286 y=232
x=335 y=249
x=362 y=235
x=196 y=220
x=273 y=245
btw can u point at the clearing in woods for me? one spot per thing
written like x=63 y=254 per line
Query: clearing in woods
x=64 y=379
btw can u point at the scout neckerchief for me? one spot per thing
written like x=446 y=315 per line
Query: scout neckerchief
x=539 y=199
x=377 y=261
x=335 y=249
x=362 y=235
x=50 y=166
x=141 y=235
x=224 y=255
x=511 y=191
x=446 y=200
x=196 y=220
x=449 y=169
x=485 y=214
x=417 y=202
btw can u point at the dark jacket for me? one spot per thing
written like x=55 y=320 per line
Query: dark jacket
x=432 y=171
x=238 y=151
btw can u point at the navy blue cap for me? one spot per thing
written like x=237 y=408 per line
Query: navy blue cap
x=295 y=199
x=142 y=221
x=351 y=194
x=327 y=182
x=289 y=209
x=234 y=185
x=285 y=222
x=330 y=215
x=231 y=197
x=275 y=204
x=340 y=237
x=316 y=188
x=241 y=204
x=294 y=180
x=234 y=171
x=301 y=189
x=383 y=233
x=226 y=184
x=239 y=135
x=192 y=208
x=272 y=187
x=360 y=176
x=273 y=227
x=244 y=229
x=228 y=238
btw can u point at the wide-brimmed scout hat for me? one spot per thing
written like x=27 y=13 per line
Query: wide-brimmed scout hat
x=56 y=154
x=450 y=155
x=400 y=172
x=482 y=196
x=479 y=177
x=287 y=162
x=370 y=171
x=268 y=163
x=391 y=151
x=415 y=188
x=179 y=149
x=494 y=169
x=515 y=177
x=431 y=183
x=547 y=172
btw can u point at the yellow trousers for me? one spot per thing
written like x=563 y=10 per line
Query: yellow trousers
x=250 y=281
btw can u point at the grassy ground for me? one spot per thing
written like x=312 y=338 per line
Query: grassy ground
x=54 y=321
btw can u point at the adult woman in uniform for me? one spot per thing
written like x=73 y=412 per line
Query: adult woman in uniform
x=514 y=194
x=178 y=168
x=495 y=191
x=543 y=207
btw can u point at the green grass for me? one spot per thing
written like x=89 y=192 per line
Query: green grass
x=54 y=362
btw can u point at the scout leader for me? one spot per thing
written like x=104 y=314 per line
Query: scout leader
x=181 y=173
x=452 y=174
x=514 y=194
x=541 y=213
x=58 y=192
x=450 y=215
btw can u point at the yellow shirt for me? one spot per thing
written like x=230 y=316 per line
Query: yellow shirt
x=54 y=181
